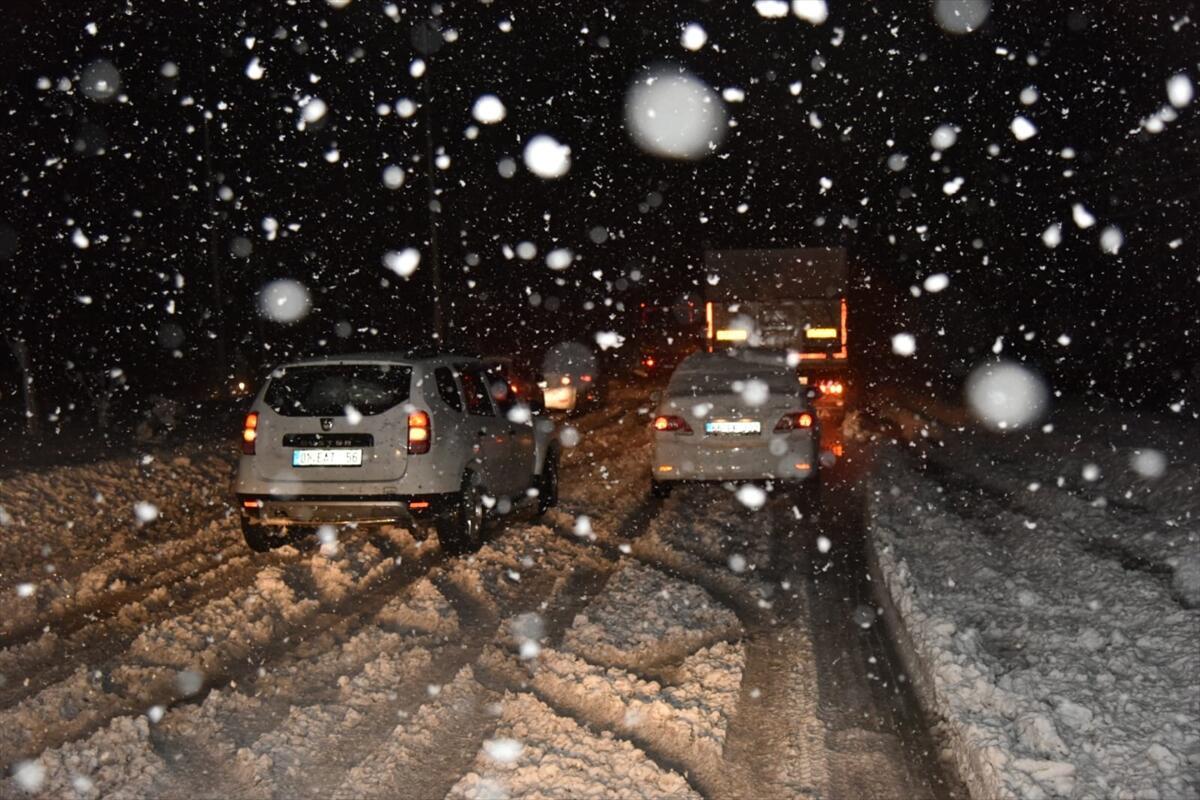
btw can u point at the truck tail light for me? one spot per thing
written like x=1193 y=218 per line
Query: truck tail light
x=831 y=387
x=250 y=433
x=418 y=433
x=795 y=421
x=666 y=424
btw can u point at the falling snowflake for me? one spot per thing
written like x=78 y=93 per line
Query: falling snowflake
x=488 y=109
x=546 y=158
x=904 y=344
x=402 y=262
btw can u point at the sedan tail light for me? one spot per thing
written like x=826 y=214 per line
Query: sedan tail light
x=671 y=424
x=418 y=433
x=797 y=420
x=250 y=433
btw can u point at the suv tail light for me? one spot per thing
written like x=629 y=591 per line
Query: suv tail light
x=797 y=420
x=671 y=424
x=418 y=433
x=250 y=433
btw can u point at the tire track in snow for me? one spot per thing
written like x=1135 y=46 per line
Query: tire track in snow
x=131 y=683
x=46 y=660
x=194 y=557
x=476 y=587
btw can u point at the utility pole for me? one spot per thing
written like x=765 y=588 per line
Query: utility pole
x=221 y=366
x=427 y=40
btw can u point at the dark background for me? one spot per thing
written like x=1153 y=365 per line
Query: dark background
x=131 y=173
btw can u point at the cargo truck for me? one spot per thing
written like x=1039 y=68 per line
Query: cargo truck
x=792 y=299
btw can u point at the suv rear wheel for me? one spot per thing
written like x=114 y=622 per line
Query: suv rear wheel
x=258 y=537
x=460 y=527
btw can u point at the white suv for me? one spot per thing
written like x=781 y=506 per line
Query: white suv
x=390 y=438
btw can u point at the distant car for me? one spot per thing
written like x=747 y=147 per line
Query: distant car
x=388 y=437
x=736 y=415
x=567 y=391
x=660 y=359
x=509 y=375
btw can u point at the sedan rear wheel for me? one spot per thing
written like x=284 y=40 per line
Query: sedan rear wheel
x=808 y=493
x=547 y=484
x=460 y=527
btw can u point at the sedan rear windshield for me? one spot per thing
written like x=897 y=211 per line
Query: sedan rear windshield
x=327 y=390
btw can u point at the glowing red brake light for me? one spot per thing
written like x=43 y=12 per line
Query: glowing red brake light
x=648 y=361
x=418 y=433
x=250 y=433
x=831 y=387
x=671 y=424
x=797 y=420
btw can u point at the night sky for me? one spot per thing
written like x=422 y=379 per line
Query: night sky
x=130 y=173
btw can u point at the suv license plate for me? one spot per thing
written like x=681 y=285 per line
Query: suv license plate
x=341 y=457
x=734 y=427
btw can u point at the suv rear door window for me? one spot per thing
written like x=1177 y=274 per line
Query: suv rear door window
x=479 y=404
x=447 y=388
x=325 y=390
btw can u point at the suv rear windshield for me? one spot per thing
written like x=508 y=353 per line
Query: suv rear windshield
x=326 y=390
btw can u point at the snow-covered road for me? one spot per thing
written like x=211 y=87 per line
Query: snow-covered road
x=620 y=647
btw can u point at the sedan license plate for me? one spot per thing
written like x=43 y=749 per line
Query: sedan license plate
x=733 y=427
x=340 y=457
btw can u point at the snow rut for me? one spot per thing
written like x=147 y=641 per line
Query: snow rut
x=222 y=638
x=74 y=535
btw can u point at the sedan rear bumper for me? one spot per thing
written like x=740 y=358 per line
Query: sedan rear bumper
x=676 y=459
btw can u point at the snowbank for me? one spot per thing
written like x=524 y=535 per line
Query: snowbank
x=1058 y=672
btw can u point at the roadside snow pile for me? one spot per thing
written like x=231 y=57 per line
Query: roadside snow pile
x=535 y=753
x=1058 y=672
x=646 y=617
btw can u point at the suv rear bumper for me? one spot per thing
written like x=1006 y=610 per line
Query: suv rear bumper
x=312 y=510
